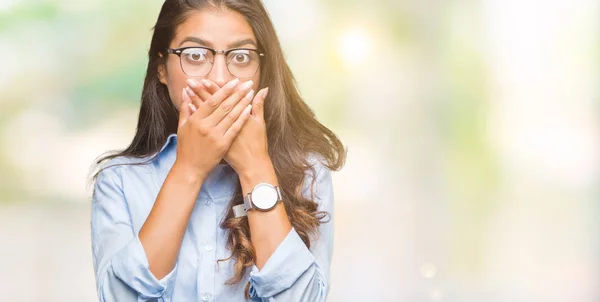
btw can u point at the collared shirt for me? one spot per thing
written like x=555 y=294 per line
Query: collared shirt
x=123 y=197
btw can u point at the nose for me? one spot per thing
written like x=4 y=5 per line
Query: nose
x=219 y=72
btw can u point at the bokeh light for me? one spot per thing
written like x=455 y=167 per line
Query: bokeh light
x=355 y=46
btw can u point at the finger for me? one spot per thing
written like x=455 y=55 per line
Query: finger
x=232 y=116
x=258 y=104
x=210 y=86
x=199 y=89
x=235 y=129
x=184 y=108
x=226 y=106
x=211 y=104
x=194 y=98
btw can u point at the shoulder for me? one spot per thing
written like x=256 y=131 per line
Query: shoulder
x=316 y=159
x=120 y=178
x=317 y=177
x=120 y=166
x=318 y=167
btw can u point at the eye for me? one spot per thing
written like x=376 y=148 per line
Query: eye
x=195 y=55
x=240 y=57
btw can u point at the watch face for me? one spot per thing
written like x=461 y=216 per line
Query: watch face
x=264 y=196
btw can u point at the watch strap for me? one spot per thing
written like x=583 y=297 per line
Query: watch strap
x=247 y=202
x=239 y=210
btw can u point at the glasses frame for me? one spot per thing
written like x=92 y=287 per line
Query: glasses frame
x=179 y=51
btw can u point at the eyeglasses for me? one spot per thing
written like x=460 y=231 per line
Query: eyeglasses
x=198 y=61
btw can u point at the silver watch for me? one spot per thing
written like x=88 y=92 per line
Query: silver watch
x=264 y=197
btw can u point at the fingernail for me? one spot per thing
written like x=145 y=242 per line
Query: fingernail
x=246 y=85
x=184 y=96
x=192 y=83
x=264 y=94
x=250 y=94
x=249 y=107
x=189 y=91
x=233 y=83
x=192 y=107
x=206 y=83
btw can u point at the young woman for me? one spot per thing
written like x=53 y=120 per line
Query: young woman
x=225 y=192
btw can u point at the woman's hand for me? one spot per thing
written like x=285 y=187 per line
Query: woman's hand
x=249 y=150
x=208 y=127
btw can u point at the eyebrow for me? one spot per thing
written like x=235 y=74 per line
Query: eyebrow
x=208 y=44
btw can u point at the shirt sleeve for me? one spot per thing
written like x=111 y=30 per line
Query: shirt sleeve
x=120 y=262
x=295 y=272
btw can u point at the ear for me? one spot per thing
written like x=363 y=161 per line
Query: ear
x=162 y=73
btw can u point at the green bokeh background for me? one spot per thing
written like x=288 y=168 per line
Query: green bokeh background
x=472 y=131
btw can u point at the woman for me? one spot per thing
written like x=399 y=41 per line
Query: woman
x=225 y=192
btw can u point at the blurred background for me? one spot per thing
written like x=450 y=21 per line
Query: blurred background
x=472 y=130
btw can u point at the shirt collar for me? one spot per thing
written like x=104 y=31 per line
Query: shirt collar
x=171 y=139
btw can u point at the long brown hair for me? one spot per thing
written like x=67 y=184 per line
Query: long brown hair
x=293 y=132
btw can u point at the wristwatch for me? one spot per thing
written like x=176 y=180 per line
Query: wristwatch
x=264 y=197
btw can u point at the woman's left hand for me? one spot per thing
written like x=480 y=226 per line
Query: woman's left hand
x=250 y=149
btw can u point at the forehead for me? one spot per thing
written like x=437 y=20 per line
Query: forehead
x=219 y=27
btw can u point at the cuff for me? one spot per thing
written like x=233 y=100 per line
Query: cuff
x=289 y=261
x=131 y=265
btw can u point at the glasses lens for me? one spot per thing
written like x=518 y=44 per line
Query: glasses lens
x=243 y=63
x=196 y=62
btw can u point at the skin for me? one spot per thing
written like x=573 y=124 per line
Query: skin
x=216 y=125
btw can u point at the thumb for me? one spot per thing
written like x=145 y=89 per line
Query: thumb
x=184 y=108
x=258 y=104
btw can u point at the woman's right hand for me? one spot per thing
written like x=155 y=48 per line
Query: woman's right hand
x=204 y=135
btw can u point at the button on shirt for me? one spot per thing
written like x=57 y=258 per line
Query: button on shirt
x=123 y=197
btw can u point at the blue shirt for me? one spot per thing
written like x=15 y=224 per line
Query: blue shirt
x=122 y=199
